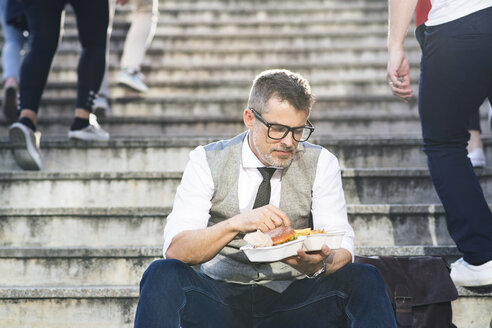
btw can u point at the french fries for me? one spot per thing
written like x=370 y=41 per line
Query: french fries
x=308 y=231
x=302 y=232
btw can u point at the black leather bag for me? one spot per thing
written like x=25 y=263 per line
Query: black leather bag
x=419 y=288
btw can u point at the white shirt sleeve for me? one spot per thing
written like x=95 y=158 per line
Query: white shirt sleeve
x=192 y=203
x=328 y=208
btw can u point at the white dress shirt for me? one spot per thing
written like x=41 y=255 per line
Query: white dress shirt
x=193 y=197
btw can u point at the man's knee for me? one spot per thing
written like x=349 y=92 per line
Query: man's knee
x=362 y=276
x=165 y=270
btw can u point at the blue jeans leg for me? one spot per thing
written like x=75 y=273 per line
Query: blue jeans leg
x=456 y=77
x=355 y=296
x=14 y=43
x=172 y=295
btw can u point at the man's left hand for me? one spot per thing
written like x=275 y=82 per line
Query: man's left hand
x=309 y=263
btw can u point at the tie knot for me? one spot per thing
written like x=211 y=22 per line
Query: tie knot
x=266 y=172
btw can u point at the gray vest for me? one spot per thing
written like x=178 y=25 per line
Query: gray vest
x=231 y=264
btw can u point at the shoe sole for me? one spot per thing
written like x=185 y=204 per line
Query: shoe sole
x=10 y=107
x=473 y=283
x=21 y=148
x=486 y=283
x=84 y=137
x=130 y=85
x=479 y=165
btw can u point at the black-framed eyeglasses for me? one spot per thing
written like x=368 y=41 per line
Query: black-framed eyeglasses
x=280 y=131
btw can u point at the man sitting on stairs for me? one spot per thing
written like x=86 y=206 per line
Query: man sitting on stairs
x=261 y=179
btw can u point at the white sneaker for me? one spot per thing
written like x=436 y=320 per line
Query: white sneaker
x=465 y=274
x=132 y=79
x=477 y=157
x=93 y=132
x=101 y=107
x=25 y=143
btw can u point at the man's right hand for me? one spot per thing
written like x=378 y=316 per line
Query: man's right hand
x=398 y=74
x=263 y=218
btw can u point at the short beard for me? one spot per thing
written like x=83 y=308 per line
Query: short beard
x=270 y=160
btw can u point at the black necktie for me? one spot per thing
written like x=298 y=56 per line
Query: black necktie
x=264 y=190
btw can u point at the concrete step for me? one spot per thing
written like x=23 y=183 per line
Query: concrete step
x=175 y=38
x=397 y=186
x=82 y=227
x=268 y=5
x=122 y=21
x=382 y=225
x=399 y=224
x=166 y=38
x=114 y=306
x=142 y=189
x=57 y=101
x=96 y=189
x=312 y=68
x=161 y=46
x=172 y=154
x=203 y=94
x=167 y=89
x=162 y=60
x=376 y=45
x=228 y=67
x=69 y=306
x=265 y=10
x=44 y=266
x=142 y=154
x=334 y=123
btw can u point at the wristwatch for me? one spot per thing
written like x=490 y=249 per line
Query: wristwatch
x=319 y=272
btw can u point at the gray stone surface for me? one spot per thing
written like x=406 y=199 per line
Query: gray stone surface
x=100 y=291
x=384 y=225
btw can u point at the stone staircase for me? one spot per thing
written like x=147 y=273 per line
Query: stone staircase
x=76 y=237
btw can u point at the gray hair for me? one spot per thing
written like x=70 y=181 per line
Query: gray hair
x=285 y=85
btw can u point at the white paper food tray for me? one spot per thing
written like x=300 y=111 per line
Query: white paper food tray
x=307 y=243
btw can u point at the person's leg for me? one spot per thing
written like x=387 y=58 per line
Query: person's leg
x=92 y=23
x=140 y=34
x=354 y=296
x=456 y=76
x=101 y=105
x=44 y=20
x=11 y=51
x=11 y=60
x=172 y=295
x=138 y=39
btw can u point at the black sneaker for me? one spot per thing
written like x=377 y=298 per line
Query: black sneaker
x=10 y=103
x=25 y=145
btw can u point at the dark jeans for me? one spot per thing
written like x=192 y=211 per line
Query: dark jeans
x=474 y=123
x=44 y=19
x=456 y=77
x=172 y=294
